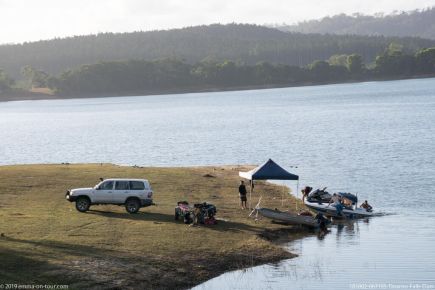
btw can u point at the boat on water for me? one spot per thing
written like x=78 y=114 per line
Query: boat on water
x=288 y=217
x=321 y=201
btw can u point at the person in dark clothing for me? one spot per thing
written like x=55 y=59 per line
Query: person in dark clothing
x=242 y=194
x=305 y=192
x=367 y=206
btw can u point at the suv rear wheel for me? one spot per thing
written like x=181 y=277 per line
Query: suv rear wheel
x=132 y=205
x=83 y=204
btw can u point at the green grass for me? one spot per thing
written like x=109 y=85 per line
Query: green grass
x=46 y=241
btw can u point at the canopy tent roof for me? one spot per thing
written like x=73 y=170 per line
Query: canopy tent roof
x=268 y=170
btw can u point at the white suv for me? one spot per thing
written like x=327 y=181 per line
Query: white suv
x=133 y=193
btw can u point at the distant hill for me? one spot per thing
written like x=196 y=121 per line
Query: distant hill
x=419 y=23
x=238 y=42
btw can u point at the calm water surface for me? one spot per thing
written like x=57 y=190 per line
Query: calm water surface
x=376 y=139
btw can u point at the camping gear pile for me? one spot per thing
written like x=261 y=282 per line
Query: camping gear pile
x=203 y=213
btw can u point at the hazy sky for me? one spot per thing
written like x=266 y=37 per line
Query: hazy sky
x=29 y=20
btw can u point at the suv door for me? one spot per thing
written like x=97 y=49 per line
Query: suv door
x=104 y=192
x=122 y=191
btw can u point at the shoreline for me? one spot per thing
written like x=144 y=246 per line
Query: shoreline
x=30 y=96
x=107 y=247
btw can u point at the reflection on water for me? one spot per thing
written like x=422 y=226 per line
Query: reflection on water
x=379 y=250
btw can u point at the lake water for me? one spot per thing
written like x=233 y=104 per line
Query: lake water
x=375 y=139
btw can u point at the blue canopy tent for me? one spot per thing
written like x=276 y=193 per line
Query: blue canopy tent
x=267 y=171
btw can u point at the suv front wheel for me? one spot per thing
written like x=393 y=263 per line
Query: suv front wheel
x=83 y=204
x=132 y=205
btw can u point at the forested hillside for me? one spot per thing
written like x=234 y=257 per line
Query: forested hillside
x=170 y=75
x=248 y=44
x=414 y=23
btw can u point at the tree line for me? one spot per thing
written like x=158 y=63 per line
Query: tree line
x=242 y=43
x=6 y=82
x=419 y=23
x=140 y=76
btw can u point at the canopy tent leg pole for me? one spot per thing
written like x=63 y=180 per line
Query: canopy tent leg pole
x=297 y=195
x=250 y=194
x=282 y=194
x=282 y=200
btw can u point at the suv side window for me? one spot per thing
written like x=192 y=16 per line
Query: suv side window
x=137 y=185
x=108 y=185
x=122 y=185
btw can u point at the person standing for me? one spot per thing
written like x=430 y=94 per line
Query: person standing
x=242 y=194
x=305 y=192
x=337 y=203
